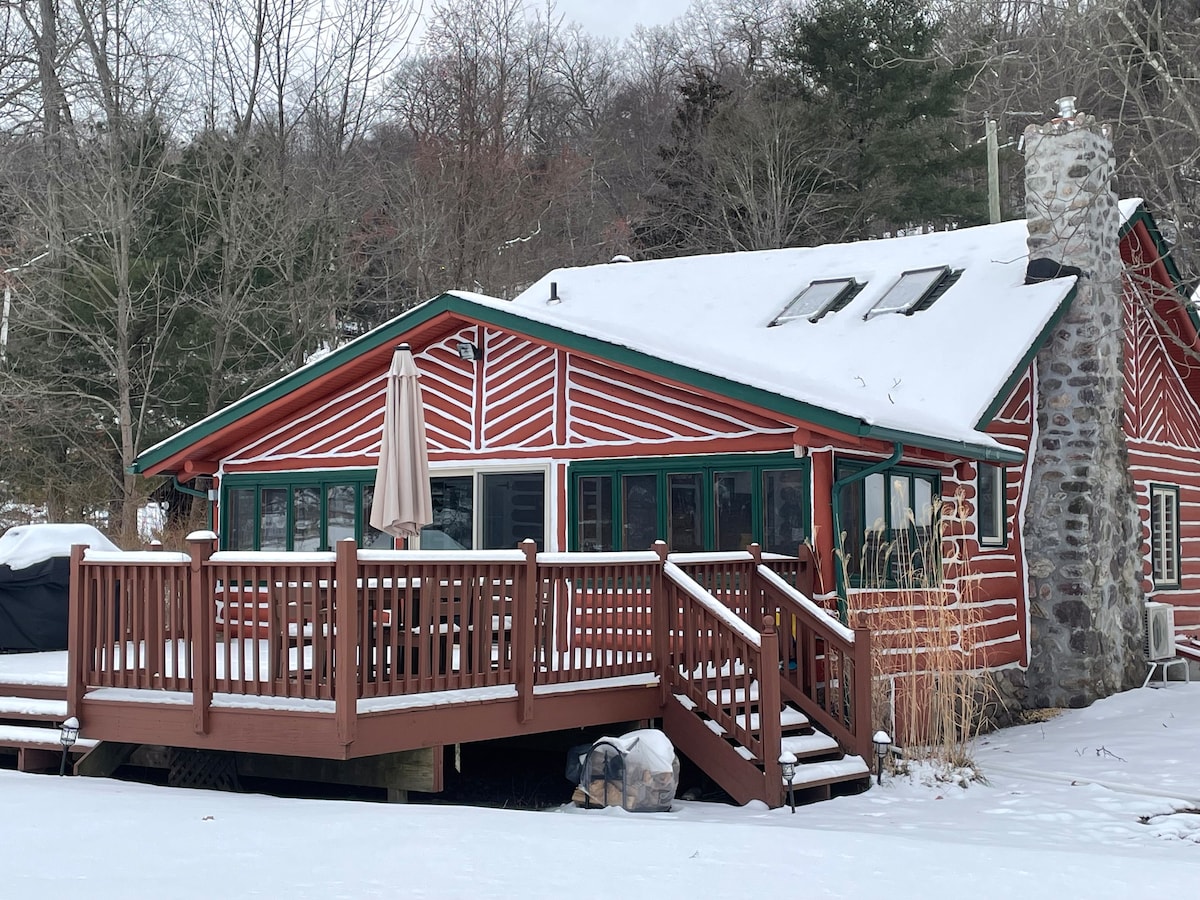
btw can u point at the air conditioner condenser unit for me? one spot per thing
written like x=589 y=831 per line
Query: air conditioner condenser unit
x=1160 y=631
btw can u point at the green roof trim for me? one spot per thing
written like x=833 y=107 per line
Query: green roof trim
x=1141 y=215
x=1019 y=372
x=1164 y=253
x=571 y=340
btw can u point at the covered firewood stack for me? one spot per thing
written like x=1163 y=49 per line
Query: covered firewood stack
x=638 y=772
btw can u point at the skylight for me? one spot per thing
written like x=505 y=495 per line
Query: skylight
x=906 y=295
x=817 y=299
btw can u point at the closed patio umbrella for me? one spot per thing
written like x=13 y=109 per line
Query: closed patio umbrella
x=402 y=501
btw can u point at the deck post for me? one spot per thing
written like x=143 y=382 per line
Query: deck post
x=75 y=685
x=202 y=612
x=770 y=704
x=863 y=679
x=345 y=634
x=527 y=610
x=754 y=589
x=660 y=625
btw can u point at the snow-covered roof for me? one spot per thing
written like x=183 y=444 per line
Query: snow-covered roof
x=23 y=546
x=934 y=372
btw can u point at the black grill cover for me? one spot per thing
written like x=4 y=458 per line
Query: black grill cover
x=33 y=606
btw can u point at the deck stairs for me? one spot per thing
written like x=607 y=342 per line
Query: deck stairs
x=822 y=767
x=31 y=720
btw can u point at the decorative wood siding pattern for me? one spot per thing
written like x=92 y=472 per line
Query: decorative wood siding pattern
x=606 y=407
x=1162 y=422
x=984 y=590
x=523 y=400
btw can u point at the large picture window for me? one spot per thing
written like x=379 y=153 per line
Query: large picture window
x=890 y=527
x=304 y=511
x=299 y=511
x=486 y=511
x=1164 y=535
x=693 y=503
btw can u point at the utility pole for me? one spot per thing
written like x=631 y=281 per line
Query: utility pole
x=993 y=171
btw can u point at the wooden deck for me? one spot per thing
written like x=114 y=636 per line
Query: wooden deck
x=356 y=654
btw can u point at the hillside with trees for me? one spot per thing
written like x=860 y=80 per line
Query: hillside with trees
x=192 y=204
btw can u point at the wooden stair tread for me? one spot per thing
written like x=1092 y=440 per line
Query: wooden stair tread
x=45 y=738
x=799 y=720
x=32 y=708
x=816 y=774
x=814 y=744
x=790 y=717
x=735 y=696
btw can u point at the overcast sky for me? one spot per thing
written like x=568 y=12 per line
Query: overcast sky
x=616 y=18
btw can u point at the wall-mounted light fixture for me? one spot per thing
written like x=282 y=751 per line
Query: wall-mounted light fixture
x=468 y=351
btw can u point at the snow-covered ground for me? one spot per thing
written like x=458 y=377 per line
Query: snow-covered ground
x=1096 y=803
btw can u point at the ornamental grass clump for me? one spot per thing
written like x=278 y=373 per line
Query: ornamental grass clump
x=918 y=594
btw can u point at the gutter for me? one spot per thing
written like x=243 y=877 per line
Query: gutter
x=838 y=561
x=192 y=492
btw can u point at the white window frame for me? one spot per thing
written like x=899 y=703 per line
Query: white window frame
x=476 y=474
x=999 y=515
x=1164 y=536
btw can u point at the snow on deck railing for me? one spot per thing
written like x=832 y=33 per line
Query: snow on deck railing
x=272 y=557
x=807 y=605
x=598 y=559
x=705 y=599
x=129 y=557
x=441 y=556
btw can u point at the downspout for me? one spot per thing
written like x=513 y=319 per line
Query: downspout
x=193 y=492
x=843 y=607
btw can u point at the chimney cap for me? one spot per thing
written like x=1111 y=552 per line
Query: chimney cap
x=1066 y=107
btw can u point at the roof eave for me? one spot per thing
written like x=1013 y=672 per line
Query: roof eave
x=1026 y=361
x=159 y=459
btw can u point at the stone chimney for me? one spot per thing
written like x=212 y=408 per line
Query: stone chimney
x=1081 y=531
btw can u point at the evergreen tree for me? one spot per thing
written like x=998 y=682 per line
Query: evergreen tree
x=871 y=66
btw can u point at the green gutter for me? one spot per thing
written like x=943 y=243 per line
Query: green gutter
x=843 y=605
x=448 y=303
x=192 y=492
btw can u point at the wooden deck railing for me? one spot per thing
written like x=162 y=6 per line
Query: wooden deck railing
x=724 y=669
x=594 y=615
x=825 y=667
x=130 y=625
x=357 y=624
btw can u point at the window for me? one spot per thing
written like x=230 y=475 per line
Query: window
x=486 y=511
x=453 y=525
x=693 y=503
x=1164 y=535
x=991 y=505
x=890 y=526
x=819 y=298
x=514 y=510
x=915 y=290
x=298 y=511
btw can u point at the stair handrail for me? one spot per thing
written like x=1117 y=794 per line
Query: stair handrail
x=837 y=694
x=699 y=681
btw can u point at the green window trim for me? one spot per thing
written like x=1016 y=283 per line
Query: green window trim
x=1165 y=549
x=888 y=540
x=289 y=483
x=662 y=469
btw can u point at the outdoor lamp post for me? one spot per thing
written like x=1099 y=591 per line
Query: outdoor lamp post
x=70 y=731
x=882 y=741
x=787 y=764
